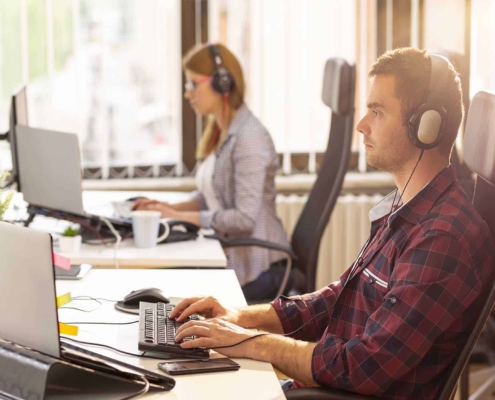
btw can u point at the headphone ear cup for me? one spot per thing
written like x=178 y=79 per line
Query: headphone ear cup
x=426 y=126
x=222 y=81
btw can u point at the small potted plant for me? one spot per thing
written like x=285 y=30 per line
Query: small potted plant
x=70 y=241
x=4 y=199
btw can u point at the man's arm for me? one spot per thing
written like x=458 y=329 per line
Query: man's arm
x=289 y=356
x=292 y=357
x=261 y=316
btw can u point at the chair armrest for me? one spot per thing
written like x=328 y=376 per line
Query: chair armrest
x=252 y=242
x=261 y=243
x=320 y=393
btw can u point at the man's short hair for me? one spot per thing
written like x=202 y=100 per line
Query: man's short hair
x=411 y=68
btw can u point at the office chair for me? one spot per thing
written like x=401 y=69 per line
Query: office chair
x=338 y=94
x=479 y=155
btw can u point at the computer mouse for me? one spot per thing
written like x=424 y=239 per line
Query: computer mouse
x=148 y=295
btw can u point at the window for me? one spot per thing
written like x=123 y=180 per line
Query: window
x=106 y=70
x=482 y=46
x=10 y=67
x=283 y=46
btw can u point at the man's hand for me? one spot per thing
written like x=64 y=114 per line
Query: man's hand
x=208 y=307
x=166 y=209
x=216 y=334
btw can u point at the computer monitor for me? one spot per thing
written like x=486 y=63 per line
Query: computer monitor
x=18 y=116
x=28 y=304
x=50 y=174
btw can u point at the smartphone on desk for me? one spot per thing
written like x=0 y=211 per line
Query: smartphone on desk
x=199 y=366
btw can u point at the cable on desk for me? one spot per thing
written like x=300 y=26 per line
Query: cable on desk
x=79 y=309
x=117 y=236
x=80 y=221
x=142 y=392
x=85 y=297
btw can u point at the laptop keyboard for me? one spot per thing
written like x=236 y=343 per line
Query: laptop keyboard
x=122 y=209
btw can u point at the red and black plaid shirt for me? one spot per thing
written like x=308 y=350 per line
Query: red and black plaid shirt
x=405 y=311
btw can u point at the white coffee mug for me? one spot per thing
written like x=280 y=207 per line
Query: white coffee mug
x=145 y=227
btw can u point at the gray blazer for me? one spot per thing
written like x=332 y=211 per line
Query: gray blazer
x=244 y=185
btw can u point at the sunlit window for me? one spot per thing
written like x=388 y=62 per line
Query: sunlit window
x=106 y=70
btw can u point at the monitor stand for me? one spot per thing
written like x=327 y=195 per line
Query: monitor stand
x=28 y=374
x=93 y=230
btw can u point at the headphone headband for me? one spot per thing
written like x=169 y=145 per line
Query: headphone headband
x=427 y=123
x=438 y=78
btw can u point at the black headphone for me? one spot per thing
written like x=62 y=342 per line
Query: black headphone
x=222 y=80
x=427 y=124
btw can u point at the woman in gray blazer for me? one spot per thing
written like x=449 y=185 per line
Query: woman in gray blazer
x=236 y=179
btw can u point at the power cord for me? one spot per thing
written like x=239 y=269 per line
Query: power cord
x=85 y=297
x=117 y=236
x=143 y=391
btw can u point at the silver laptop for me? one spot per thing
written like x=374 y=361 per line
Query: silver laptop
x=50 y=171
x=28 y=306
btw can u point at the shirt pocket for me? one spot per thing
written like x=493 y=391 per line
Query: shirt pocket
x=373 y=279
x=375 y=288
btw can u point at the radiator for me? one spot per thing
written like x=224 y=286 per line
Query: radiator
x=344 y=236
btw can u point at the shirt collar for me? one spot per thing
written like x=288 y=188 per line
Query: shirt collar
x=418 y=206
x=239 y=118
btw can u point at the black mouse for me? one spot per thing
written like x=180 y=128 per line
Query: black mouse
x=148 y=295
x=130 y=303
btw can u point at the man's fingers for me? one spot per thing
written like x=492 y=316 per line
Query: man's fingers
x=194 y=330
x=199 y=342
x=182 y=305
x=146 y=205
x=198 y=307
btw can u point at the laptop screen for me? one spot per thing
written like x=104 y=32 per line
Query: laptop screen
x=28 y=304
x=50 y=169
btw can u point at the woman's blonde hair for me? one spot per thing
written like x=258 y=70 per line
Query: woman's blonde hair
x=200 y=60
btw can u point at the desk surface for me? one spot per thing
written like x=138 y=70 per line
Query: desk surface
x=255 y=380
x=204 y=253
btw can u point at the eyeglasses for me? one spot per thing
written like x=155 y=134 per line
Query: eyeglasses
x=193 y=84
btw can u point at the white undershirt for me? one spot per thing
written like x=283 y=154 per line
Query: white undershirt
x=204 y=182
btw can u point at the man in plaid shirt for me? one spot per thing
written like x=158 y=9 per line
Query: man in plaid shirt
x=402 y=312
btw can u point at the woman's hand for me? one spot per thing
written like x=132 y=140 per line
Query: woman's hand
x=166 y=209
x=208 y=307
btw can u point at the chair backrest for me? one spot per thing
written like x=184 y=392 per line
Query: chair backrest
x=479 y=155
x=338 y=94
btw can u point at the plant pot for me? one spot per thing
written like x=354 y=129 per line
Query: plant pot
x=69 y=244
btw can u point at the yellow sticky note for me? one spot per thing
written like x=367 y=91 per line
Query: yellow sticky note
x=68 y=329
x=63 y=299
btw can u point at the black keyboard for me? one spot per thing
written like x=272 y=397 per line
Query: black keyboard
x=156 y=380
x=157 y=332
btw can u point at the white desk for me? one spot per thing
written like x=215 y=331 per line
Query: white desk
x=255 y=379
x=204 y=253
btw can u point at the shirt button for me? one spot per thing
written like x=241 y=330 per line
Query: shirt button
x=393 y=300
x=371 y=280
